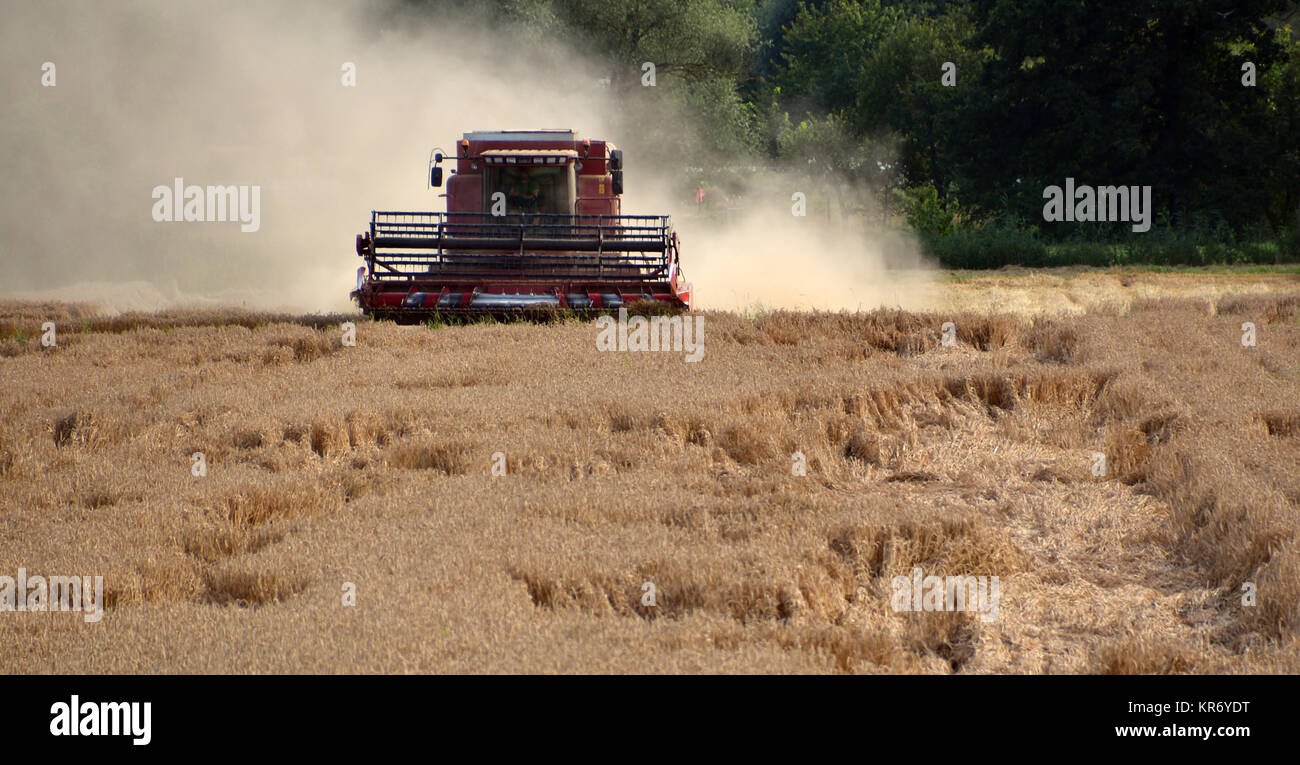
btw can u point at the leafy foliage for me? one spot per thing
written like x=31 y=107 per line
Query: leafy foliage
x=961 y=112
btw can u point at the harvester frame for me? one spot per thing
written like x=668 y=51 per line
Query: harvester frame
x=580 y=255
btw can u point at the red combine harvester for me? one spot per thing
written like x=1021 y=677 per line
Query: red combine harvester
x=534 y=219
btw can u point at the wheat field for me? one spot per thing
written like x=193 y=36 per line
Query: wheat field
x=338 y=473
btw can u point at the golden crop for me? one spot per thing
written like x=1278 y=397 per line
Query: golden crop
x=372 y=465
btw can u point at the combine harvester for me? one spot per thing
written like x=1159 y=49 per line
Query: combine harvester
x=534 y=221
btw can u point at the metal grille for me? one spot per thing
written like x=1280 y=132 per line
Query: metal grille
x=406 y=245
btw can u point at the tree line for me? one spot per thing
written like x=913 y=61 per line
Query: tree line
x=952 y=117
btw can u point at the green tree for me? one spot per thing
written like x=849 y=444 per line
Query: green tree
x=824 y=51
x=901 y=88
x=1281 y=84
x=825 y=152
x=695 y=40
x=1145 y=93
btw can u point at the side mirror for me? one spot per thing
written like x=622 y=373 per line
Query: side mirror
x=617 y=181
x=435 y=176
x=616 y=159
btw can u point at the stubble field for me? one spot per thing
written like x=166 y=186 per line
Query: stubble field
x=371 y=466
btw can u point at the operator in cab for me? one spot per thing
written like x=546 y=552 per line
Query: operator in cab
x=525 y=193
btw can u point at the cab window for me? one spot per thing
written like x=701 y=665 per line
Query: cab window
x=532 y=190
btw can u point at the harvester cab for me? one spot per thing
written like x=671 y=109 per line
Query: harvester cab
x=534 y=218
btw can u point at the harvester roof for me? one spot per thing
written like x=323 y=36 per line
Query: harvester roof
x=543 y=134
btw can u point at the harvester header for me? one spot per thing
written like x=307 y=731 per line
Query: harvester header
x=534 y=218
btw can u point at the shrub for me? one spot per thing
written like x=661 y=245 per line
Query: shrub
x=989 y=247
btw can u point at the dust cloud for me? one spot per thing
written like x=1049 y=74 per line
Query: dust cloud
x=253 y=95
x=768 y=258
